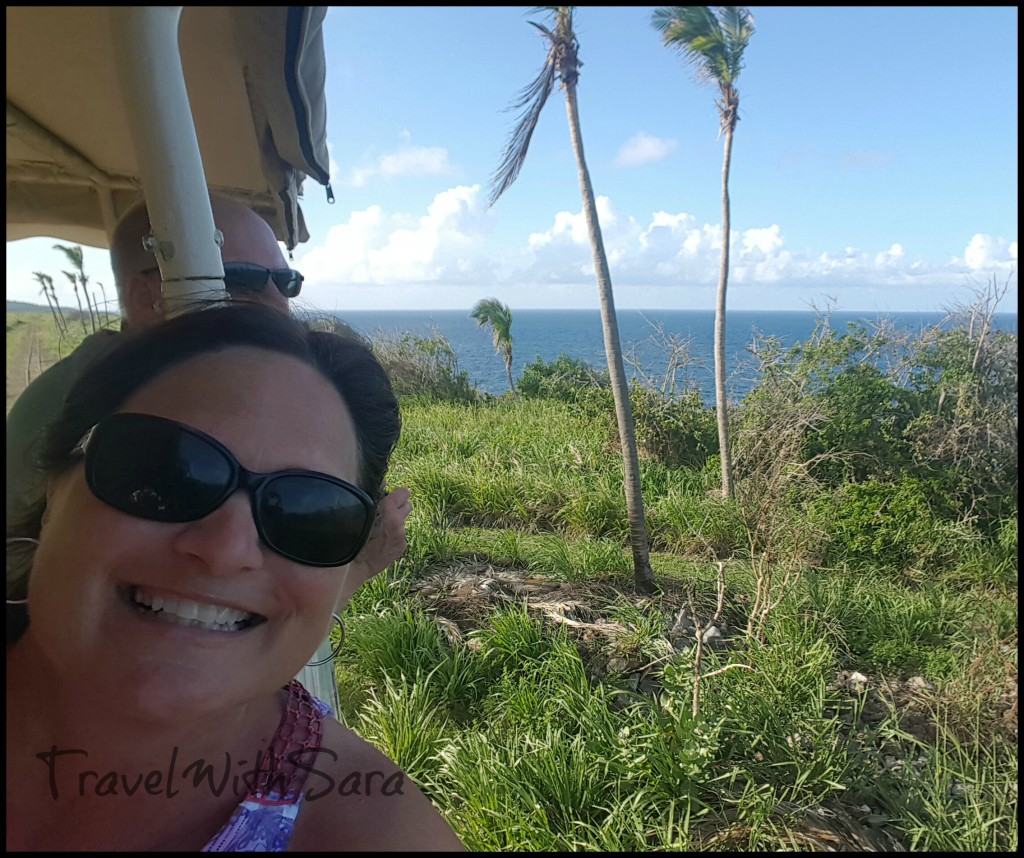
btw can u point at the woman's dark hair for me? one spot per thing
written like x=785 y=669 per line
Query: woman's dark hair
x=346 y=361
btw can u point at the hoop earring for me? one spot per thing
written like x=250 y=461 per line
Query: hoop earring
x=336 y=650
x=11 y=539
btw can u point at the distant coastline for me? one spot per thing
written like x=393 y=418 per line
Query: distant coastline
x=578 y=333
x=27 y=307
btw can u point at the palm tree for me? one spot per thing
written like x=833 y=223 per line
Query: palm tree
x=73 y=279
x=46 y=281
x=563 y=62
x=498 y=317
x=713 y=42
x=74 y=255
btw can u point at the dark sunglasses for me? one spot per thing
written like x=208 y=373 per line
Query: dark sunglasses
x=248 y=277
x=161 y=470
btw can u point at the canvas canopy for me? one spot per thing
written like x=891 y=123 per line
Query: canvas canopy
x=255 y=83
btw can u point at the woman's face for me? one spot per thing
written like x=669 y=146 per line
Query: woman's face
x=94 y=564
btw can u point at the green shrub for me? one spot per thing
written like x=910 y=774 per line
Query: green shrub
x=398 y=641
x=868 y=415
x=403 y=720
x=885 y=626
x=888 y=525
x=421 y=366
x=566 y=379
x=430 y=546
x=966 y=381
x=577 y=559
x=680 y=432
x=598 y=511
x=443 y=492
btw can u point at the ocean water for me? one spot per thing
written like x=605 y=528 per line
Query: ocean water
x=578 y=333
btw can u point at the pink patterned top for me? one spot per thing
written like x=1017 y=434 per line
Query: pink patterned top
x=265 y=819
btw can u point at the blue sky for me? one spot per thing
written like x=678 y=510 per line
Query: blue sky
x=875 y=164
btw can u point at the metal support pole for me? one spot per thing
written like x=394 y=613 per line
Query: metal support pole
x=184 y=239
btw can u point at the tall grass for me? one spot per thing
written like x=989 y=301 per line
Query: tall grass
x=525 y=747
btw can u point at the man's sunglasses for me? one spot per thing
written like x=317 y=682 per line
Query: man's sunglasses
x=160 y=470
x=247 y=277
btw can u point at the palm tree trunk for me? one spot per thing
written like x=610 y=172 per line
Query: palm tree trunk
x=53 y=310
x=721 y=403
x=60 y=312
x=89 y=305
x=643 y=575
x=78 y=298
x=508 y=372
x=40 y=278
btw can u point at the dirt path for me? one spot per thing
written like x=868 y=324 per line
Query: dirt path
x=30 y=356
x=19 y=363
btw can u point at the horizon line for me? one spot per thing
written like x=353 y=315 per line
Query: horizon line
x=468 y=310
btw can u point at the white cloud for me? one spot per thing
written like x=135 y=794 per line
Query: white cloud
x=890 y=257
x=373 y=247
x=407 y=161
x=445 y=256
x=563 y=252
x=761 y=241
x=985 y=253
x=642 y=148
x=978 y=253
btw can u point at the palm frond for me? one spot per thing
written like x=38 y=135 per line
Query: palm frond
x=73 y=253
x=491 y=312
x=532 y=98
x=697 y=33
x=737 y=27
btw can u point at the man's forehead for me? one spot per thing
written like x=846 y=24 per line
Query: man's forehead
x=247 y=237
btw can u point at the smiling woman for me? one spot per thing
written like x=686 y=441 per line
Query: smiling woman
x=211 y=484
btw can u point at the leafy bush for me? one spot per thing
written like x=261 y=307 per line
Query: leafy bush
x=868 y=417
x=966 y=434
x=888 y=525
x=402 y=719
x=696 y=524
x=678 y=431
x=566 y=379
x=600 y=511
x=424 y=366
x=939 y=407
